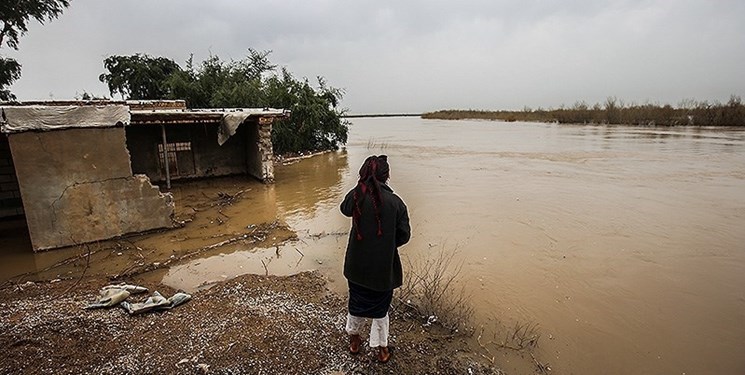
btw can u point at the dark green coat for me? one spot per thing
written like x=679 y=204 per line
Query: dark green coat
x=373 y=262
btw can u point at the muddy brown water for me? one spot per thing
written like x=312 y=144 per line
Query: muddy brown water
x=625 y=244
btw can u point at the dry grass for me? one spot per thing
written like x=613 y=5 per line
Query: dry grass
x=433 y=292
x=434 y=295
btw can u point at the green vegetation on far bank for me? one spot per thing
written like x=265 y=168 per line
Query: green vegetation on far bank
x=614 y=111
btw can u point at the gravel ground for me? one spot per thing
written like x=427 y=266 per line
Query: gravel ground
x=248 y=325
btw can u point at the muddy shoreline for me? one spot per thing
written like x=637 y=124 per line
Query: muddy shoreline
x=250 y=324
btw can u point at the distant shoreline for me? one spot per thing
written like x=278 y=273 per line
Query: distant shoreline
x=612 y=113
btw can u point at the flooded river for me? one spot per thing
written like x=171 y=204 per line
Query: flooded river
x=625 y=244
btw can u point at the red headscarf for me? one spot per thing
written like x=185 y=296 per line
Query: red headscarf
x=374 y=171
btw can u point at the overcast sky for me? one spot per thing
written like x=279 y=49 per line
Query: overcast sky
x=415 y=56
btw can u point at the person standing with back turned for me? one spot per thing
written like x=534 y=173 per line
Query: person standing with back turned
x=380 y=224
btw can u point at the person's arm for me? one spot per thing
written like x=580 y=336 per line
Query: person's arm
x=403 y=229
x=347 y=206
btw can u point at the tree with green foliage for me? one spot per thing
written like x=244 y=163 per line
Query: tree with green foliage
x=138 y=76
x=216 y=83
x=14 y=17
x=315 y=124
x=10 y=71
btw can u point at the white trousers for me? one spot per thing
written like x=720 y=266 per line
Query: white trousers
x=378 y=329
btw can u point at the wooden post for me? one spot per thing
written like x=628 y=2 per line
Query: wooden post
x=165 y=156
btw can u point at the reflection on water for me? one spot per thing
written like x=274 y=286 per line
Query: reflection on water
x=304 y=196
x=310 y=186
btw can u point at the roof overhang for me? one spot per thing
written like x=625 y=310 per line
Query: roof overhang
x=16 y=119
x=201 y=116
x=53 y=115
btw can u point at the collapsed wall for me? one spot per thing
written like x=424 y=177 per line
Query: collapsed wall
x=75 y=177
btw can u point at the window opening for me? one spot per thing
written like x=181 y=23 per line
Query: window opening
x=174 y=149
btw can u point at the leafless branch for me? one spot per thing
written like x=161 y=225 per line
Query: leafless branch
x=82 y=275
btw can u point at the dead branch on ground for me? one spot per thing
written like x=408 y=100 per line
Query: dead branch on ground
x=478 y=339
x=82 y=275
x=20 y=278
x=257 y=234
x=326 y=234
x=266 y=270
x=225 y=199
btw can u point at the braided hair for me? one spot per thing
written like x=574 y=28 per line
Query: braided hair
x=374 y=171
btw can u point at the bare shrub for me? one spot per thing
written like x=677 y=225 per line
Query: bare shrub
x=432 y=290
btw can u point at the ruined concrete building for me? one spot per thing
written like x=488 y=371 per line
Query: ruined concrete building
x=83 y=171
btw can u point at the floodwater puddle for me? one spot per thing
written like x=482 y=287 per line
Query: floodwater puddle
x=229 y=226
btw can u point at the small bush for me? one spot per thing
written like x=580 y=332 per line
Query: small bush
x=432 y=290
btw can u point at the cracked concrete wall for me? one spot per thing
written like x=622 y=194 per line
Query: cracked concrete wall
x=77 y=186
